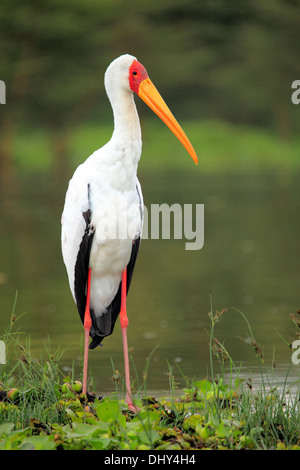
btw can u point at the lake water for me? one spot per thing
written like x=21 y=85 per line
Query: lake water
x=250 y=262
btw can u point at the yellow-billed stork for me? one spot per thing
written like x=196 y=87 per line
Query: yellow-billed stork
x=104 y=199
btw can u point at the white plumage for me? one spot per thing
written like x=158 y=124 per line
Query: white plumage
x=102 y=218
x=110 y=173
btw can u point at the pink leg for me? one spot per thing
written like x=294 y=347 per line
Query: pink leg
x=87 y=326
x=124 y=323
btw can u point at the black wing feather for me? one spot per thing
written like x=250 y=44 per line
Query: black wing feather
x=82 y=265
x=103 y=326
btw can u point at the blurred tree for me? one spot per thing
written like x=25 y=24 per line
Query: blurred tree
x=52 y=55
x=271 y=60
x=228 y=59
x=211 y=59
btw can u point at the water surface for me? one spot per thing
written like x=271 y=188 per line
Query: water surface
x=249 y=262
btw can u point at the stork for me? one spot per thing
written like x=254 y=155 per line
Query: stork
x=102 y=218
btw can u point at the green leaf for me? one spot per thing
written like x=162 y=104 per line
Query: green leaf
x=147 y=416
x=192 y=421
x=6 y=428
x=38 y=443
x=149 y=437
x=222 y=430
x=203 y=385
x=85 y=430
x=110 y=411
x=100 y=444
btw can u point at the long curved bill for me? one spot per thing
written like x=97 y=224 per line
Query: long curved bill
x=149 y=94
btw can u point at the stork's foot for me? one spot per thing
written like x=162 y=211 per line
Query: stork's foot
x=131 y=406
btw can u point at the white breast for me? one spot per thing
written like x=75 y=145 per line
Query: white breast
x=116 y=217
x=115 y=200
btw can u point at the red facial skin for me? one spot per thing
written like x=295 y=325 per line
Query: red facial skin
x=137 y=74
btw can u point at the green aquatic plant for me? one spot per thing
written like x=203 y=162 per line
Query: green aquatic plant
x=42 y=409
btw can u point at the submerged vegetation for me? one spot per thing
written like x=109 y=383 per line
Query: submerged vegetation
x=42 y=409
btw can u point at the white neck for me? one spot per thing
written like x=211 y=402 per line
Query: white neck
x=120 y=159
x=126 y=138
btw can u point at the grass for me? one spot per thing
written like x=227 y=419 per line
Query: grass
x=221 y=147
x=41 y=409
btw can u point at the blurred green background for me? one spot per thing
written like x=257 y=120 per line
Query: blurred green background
x=225 y=68
x=212 y=60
